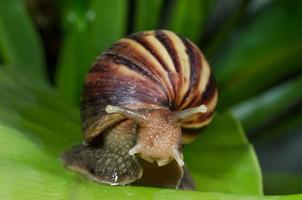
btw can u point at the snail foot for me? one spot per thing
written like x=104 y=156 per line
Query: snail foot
x=104 y=165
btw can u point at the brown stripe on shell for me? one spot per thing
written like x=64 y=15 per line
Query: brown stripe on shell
x=137 y=53
x=118 y=59
x=146 y=41
x=133 y=66
x=196 y=66
x=207 y=94
x=170 y=48
x=166 y=58
x=115 y=83
x=167 y=43
x=178 y=54
x=141 y=39
x=209 y=91
x=120 y=97
x=198 y=121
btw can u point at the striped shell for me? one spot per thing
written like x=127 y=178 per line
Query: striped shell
x=153 y=69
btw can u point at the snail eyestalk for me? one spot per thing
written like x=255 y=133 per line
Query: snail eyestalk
x=183 y=114
x=131 y=114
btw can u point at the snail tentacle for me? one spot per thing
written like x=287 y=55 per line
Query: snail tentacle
x=134 y=150
x=183 y=114
x=178 y=157
x=129 y=113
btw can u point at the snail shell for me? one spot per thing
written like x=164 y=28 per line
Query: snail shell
x=141 y=98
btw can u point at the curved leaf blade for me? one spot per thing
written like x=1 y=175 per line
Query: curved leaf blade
x=147 y=14
x=187 y=18
x=264 y=51
x=89 y=31
x=265 y=107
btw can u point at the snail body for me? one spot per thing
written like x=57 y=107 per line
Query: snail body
x=141 y=98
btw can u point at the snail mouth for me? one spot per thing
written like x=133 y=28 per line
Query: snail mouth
x=161 y=160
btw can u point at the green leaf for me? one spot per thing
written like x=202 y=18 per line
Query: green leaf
x=269 y=105
x=28 y=171
x=19 y=43
x=188 y=17
x=37 y=108
x=88 y=31
x=222 y=159
x=147 y=14
x=265 y=50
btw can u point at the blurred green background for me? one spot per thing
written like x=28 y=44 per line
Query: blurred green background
x=253 y=46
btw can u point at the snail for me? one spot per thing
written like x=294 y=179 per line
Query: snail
x=142 y=99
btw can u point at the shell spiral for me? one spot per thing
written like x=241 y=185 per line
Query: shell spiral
x=153 y=69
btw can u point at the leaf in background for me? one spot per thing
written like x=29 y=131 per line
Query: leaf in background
x=187 y=18
x=280 y=157
x=19 y=43
x=229 y=17
x=281 y=152
x=283 y=183
x=74 y=54
x=275 y=131
x=73 y=59
x=89 y=31
x=37 y=108
x=269 y=105
x=109 y=23
x=286 y=125
x=147 y=14
x=265 y=50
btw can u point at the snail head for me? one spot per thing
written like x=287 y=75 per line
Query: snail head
x=159 y=132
